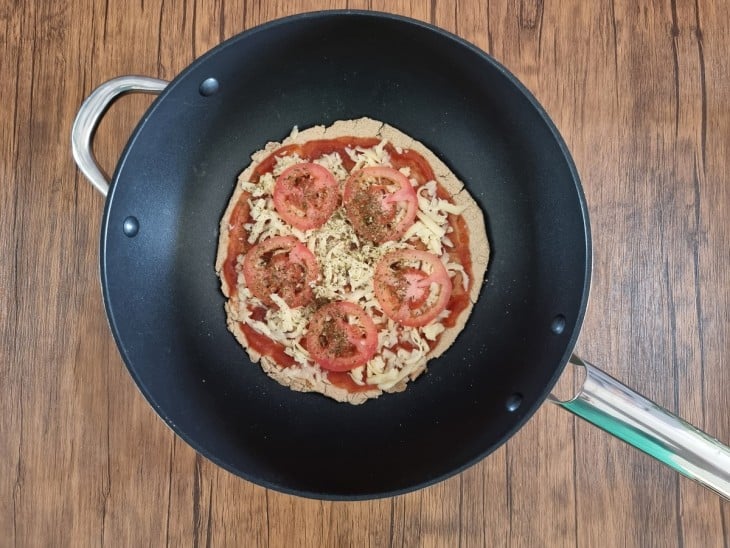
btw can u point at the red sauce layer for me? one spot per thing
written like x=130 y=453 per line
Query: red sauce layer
x=343 y=379
x=237 y=240
x=459 y=296
x=420 y=170
x=265 y=346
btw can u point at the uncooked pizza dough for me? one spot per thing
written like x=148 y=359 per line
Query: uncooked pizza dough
x=450 y=227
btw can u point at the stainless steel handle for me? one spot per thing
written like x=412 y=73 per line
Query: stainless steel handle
x=89 y=116
x=615 y=408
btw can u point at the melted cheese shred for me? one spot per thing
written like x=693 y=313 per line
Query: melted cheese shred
x=347 y=267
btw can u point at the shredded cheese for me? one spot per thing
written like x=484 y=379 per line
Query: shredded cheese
x=333 y=162
x=284 y=162
x=369 y=157
x=347 y=267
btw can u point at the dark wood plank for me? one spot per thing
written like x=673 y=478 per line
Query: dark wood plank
x=640 y=94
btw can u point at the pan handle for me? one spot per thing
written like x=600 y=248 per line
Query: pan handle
x=622 y=412
x=90 y=114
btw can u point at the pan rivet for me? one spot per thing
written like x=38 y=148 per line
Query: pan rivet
x=130 y=226
x=557 y=326
x=209 y=87
x=514 y=402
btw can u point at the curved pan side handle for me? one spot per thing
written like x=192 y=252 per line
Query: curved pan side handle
x=90 y=114
x=615 y=408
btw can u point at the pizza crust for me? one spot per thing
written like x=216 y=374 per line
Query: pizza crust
x=478 y=247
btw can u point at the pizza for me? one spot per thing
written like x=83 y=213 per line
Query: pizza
x=349 y=256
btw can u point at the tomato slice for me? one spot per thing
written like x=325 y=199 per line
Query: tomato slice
x=282 y=265
x=341 y=336
x=306 y=195
x=412 y=286
x=380 y=203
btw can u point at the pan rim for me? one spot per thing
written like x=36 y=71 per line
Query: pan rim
x=526 y=413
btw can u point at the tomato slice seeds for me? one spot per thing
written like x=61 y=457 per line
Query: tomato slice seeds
x=412 y=286
x=306 y=195
x=281 y=265
x=380 y=202
x=341 y=336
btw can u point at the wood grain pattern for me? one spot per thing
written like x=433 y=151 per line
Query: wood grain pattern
x=640 y=92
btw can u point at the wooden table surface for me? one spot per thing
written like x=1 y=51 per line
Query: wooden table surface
x=641 y=93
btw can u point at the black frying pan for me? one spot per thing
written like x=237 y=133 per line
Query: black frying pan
x=177 y=173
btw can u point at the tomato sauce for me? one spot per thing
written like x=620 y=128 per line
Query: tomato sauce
x=420 y=170
x=258 y=314
x=265 y=346
x=343 y=379
x=237 y=240
x=459 y=296
x=408 y=346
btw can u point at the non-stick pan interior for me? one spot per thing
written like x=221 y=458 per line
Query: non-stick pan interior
x=177 y=175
